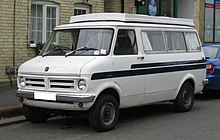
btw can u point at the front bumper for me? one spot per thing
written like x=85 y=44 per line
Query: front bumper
x=213 y=82
x=53 y=100
x=59 y=97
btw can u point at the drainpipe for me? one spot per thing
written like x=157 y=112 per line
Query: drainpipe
x=122 y=6
x=11 y=70
x=28 y=22
x=14 y=34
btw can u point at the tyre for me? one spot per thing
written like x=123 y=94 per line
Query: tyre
x=185 y=98
x=104 y=115
x=35 y=115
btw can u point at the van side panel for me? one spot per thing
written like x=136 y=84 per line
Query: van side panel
x=198 y=74
x=169 y=69
x=159 y=82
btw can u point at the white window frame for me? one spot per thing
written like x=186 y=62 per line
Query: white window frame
x=45 y=5
x=79 y=6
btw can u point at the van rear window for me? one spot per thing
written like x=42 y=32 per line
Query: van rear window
x=192 y=41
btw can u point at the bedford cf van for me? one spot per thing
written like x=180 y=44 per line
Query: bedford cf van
x=101 y=63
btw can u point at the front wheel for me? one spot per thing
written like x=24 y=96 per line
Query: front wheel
x=104 y=114
x=185 y=99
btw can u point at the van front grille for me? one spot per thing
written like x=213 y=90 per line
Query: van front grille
x=32 y=83
x=61 y=84
x=50 y=83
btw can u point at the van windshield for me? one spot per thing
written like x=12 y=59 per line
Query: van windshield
x=79 y=42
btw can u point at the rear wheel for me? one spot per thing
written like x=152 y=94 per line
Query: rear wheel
x=34 y=114
x=104 y=114
x=185 y=99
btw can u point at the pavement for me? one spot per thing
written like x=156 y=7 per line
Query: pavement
x=9 y=103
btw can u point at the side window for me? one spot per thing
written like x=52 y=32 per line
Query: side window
x=153 y=41
x=192 y=41
x=126 y=43
x=175 y=41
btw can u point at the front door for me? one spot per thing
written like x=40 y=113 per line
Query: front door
x=125 y=55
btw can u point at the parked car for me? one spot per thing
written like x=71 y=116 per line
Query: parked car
x=100 y=63
x=212 y=54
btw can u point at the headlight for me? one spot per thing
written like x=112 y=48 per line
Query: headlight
x=22 y=81
x=82 y=84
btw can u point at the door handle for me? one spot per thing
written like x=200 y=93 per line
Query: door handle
x=140 y=57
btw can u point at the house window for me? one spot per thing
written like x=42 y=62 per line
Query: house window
x=44 y=17
x=80 y=9
x=212 y=21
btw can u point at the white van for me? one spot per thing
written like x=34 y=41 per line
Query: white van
x=100 y=63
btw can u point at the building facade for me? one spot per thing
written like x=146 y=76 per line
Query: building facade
x=212 y=21
x=25 y=23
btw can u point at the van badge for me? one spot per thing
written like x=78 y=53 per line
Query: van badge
x=47 y=68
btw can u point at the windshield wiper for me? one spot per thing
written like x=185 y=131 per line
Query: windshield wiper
x=45 y=54
x=58 y=50
x=80 y=49
x=49 y=52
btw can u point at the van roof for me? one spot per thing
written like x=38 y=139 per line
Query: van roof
x=131 y=18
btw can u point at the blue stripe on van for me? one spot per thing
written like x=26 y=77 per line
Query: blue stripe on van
x=153 y=68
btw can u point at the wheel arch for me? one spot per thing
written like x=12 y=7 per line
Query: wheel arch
x=188 y=78
x=111 y=91
x=110 y=88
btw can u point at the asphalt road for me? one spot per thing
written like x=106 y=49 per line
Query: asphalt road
x=153 y=122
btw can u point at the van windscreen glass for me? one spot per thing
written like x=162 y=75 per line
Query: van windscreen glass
x=79 y=42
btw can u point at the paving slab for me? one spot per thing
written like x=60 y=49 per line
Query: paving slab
x=9 y=103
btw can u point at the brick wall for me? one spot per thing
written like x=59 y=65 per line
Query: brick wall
x=97 y=6
x=112 y=6
x=199 y=17
x=115 y=6
x=129 y=6
x=15 y=31
x=14 y=34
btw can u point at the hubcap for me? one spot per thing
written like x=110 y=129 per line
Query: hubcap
x=107 y=113
x=187 y=98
